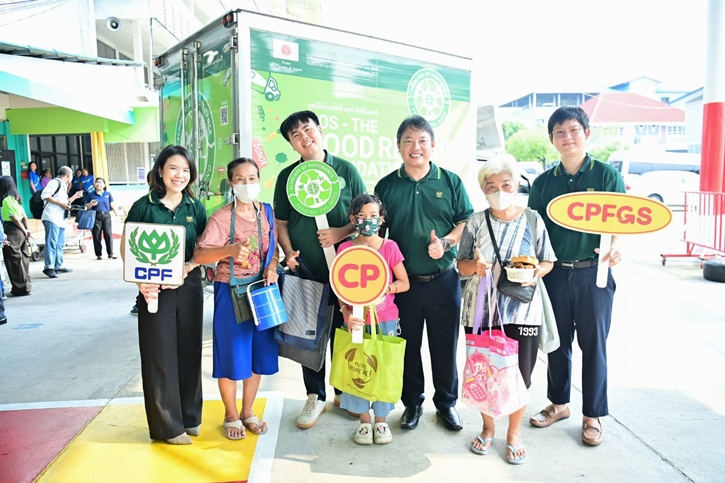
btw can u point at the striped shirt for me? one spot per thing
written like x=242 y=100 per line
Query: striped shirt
x=514 y=238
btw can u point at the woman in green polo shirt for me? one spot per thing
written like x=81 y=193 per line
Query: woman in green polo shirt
x=16 y=251
x=170 y=339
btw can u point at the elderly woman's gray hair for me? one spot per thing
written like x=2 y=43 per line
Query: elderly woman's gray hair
x=497 y=164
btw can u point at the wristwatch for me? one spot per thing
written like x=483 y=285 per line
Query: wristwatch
x=446 y=244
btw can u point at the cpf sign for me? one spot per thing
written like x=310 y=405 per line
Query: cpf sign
x=154 y=254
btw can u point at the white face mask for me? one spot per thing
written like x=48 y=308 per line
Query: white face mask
x=246 y=193
x=501 y=200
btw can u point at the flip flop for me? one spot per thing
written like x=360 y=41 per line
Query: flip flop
x=482 y=452
x=255 y=421
x=516 y=461
x=233 y=425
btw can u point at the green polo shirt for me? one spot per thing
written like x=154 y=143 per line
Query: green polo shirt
x=592 y=176
x=437 y=202
x=303 y=229
x=190 y=214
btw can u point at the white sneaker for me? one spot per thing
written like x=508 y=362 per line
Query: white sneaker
x=312 y=409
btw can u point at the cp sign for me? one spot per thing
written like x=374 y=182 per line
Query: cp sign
x=359 y=275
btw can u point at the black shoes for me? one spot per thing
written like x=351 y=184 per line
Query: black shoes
x=134 y=309
x=3 y=321
x=451 y=419
x=50 y=273
x=63 y=270
x=411 y=417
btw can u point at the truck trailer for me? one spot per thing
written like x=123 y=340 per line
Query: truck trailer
x=225 y=90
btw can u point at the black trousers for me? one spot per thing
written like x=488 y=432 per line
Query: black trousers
x=582 y=307
x=102 y=227
x=17 y=262
x=170 y=343
x=315 y=380
x=437 y=304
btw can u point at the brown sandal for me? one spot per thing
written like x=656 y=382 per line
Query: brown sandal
x=548 y=416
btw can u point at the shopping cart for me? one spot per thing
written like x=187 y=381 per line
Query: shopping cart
x=75 y=239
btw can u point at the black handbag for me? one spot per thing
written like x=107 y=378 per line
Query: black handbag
x=511 y=289
x=238 y=286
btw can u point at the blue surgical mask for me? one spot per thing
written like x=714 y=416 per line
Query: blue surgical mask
x=367 y=226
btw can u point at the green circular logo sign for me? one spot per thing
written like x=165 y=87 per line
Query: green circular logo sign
x=313 y=188
x=206 y=139
x=429 y=96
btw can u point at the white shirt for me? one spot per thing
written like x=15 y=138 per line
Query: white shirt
x=53 y=212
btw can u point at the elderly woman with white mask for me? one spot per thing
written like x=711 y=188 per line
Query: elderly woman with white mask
x=516 y=231
x=242 y=231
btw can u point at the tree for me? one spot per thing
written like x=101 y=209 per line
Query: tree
x=510 y=128
x=601 y=152
x=525 y=145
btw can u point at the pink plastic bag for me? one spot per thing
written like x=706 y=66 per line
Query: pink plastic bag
x=492 y=382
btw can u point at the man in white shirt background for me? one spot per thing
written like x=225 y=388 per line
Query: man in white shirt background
x=55 y=213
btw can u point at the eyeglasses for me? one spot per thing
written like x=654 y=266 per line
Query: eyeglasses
x=571 y=132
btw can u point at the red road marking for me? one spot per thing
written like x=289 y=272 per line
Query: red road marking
x=32 y=438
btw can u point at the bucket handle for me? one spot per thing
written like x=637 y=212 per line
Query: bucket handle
x=251 y=301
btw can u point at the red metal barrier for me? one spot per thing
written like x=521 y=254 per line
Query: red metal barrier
x=704 y=220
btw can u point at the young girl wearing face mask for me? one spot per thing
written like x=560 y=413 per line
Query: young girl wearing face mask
x=240 y=351
x=367 y=214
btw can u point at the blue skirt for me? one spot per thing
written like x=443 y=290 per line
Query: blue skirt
x=240 y=349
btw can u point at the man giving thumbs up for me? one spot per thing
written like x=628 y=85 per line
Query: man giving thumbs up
x=424 y=201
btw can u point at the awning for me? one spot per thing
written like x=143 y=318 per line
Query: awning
x=93 y=89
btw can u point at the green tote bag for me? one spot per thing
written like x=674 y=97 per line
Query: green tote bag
x=372 y=370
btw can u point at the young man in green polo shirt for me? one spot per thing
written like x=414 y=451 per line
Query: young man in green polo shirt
x=427 y=209
x=300 y=238
x=579 y=305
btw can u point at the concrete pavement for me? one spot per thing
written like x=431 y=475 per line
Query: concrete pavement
x=73 y=340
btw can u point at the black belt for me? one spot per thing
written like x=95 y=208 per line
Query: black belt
x=574 y=264
x=431 y=276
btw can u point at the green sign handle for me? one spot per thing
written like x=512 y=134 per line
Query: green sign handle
x=322 y=224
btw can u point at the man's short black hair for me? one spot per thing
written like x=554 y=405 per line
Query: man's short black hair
x=418 y=123
x=294 y=120
x=568 y=113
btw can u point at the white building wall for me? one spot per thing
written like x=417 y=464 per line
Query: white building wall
x=693 y=126
x=63 y=25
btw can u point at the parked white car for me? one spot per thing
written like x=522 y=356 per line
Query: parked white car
x=665 y=186
x=530 y=169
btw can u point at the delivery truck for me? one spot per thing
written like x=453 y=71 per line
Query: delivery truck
x=225 y=90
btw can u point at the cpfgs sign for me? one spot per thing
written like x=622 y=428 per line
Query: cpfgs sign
x=154 y=253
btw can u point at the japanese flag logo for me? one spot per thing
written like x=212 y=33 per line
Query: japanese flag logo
x=283 y=49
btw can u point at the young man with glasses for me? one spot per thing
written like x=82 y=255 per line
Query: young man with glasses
x=579 y=305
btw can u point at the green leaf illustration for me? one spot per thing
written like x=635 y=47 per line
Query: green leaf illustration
x=135 y=251
x=172 y=253
x=360 y=383
x=350 y=355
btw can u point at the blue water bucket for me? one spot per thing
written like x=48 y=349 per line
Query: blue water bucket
x=267 y=306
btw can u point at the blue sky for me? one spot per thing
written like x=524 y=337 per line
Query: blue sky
x=522 y=45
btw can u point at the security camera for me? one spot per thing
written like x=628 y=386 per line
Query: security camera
x=113 y=23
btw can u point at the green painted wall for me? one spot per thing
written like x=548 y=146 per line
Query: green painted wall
x=54 y=120
x=59 y=120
